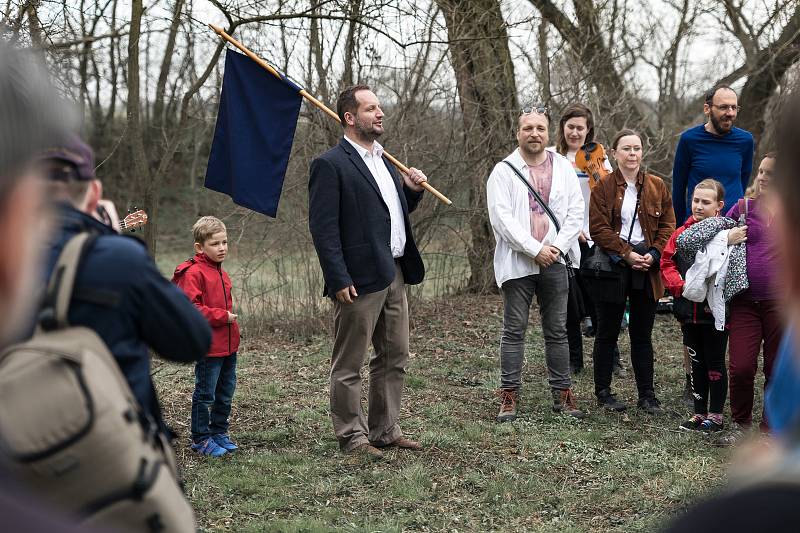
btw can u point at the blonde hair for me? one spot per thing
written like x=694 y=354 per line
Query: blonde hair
x=205 y=227
x=714 y=185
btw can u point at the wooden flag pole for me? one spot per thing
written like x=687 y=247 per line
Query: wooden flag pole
x=404 y=169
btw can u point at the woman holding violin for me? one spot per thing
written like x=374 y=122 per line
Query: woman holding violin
x=630 y=219
x=576 y=130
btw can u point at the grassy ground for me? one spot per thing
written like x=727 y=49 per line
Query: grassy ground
x=609 y=472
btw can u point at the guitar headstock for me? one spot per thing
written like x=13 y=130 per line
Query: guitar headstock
x=134 y=220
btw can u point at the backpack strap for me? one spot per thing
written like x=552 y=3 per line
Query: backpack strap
x=742 y=204
x=53 y=314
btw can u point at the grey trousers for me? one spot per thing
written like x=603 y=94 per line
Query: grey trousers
x=551 y=288
x=382 y=318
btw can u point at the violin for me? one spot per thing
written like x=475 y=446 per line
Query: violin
x=591 y=158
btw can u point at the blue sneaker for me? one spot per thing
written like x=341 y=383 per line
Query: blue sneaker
x=225 y=441
x=209 y=447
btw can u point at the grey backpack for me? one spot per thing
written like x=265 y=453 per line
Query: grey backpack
x=71 y=430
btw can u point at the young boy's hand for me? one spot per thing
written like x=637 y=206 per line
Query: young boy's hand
x=231 y=317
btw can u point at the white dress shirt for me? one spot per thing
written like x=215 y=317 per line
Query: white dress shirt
x=377 y=167
x=627 y=214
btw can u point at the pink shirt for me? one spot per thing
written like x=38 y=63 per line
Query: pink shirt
x=541 y=179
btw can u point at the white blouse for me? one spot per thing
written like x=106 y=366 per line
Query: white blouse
x=628 y=207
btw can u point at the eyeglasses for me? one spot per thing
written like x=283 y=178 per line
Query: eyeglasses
x=726 y=107
x=538 y=109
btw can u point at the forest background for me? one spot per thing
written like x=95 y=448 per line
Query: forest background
x=452 y=76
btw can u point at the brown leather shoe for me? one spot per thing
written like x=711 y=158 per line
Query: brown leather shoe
x=402 y=442
x=368 y=451
x=508 y=405
x=564 y=403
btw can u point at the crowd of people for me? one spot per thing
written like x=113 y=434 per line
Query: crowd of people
x=618 y=233
x=588 y=245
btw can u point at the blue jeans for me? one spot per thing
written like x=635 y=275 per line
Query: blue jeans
x=214 y=383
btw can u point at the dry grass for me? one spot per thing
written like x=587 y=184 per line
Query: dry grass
x=544 y=472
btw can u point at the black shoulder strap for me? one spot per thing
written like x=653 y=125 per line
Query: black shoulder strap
x=542 y=204
x=635 y=211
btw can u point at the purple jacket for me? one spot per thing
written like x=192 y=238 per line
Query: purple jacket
x=762 y=252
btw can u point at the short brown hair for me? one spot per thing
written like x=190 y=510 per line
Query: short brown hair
x=347 y=102
x=205 y=227
x=574 y=110
x=714 y=185
x=624 y=133
x=709 y=96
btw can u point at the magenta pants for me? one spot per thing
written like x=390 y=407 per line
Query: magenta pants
x=751 y=323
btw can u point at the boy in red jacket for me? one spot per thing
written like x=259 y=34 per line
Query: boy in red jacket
x=209 y=288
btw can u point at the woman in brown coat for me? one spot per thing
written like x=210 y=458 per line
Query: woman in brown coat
x=630 y=219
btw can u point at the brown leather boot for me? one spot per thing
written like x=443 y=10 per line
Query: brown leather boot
x=564 y=402
x=508 y=405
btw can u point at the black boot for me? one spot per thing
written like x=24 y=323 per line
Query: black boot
x=606 y=400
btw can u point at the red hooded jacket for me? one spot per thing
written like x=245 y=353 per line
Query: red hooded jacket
x=209 y=288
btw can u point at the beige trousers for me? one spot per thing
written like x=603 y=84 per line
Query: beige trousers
x=380 y=317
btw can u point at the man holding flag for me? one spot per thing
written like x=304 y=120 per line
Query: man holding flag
x=358 y=217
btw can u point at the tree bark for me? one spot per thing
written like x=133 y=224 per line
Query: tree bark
x=166 y=63
x=135 y=129
x=585 y=39
x=479 y=53
x=772 y=64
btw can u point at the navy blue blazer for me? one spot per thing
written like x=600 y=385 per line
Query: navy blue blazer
x=350 y=224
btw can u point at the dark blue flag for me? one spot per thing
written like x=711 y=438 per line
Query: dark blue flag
x=254 y=133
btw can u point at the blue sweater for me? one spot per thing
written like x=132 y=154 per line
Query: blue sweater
x=700 y=155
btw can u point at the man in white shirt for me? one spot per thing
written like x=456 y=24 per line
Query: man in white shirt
x=358 y=217
x=529 y=256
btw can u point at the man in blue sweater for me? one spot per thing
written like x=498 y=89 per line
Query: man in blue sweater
x=716 y=150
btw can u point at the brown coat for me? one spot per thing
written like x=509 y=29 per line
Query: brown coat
x=656 y=217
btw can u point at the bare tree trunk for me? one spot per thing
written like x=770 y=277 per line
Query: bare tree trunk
x=350 y=44
x=330 y=129
x=166 y=63
x=480 y=56
x=544 y=62
x=135 y=128
x=585 y=39
x=34 y=25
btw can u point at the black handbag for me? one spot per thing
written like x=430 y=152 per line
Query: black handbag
x=575 y=297
x=598 y=265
